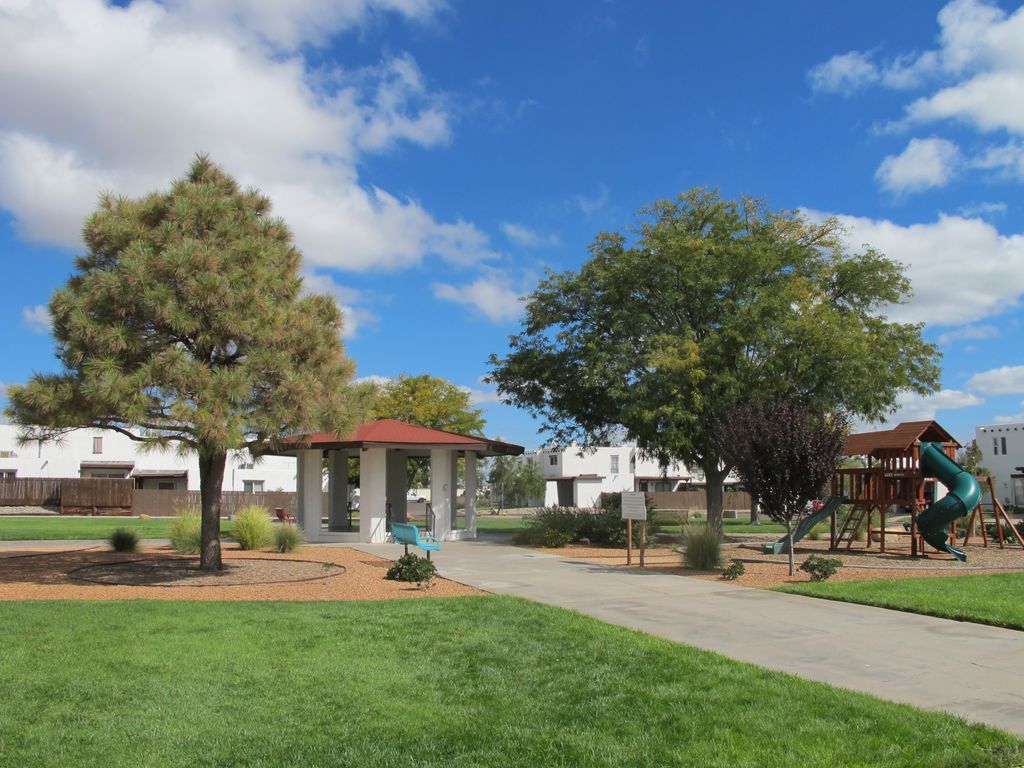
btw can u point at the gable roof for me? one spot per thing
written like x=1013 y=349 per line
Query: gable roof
x=398 y=434
x=900 y=438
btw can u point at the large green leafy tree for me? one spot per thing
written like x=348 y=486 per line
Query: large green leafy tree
x=710 y=303
x=428 y=401
x=185 y=318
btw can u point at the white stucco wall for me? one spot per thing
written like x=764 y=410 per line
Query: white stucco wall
x=65 y=459
x=1003 y=465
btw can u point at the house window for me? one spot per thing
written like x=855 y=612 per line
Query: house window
x=8 y=474
x=246 y=465
x=8 y=455
x=615 y=465
x=165 y=485
x=553 y=459
x=97 y=445
x=995 y=445
x=1002 y=441
x=252 y=486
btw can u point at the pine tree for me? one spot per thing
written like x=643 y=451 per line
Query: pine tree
x=184 y=320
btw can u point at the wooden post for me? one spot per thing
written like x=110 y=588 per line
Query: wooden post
x=643 y=541
x=629 y=542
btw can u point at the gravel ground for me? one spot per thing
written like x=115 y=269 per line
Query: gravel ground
x=348 y=575
x=772 y=570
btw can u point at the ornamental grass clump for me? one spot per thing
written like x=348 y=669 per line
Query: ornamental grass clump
x=124 y=540
x=186 y=532
x=252 y=528
x=702 y=547
x=287 y=537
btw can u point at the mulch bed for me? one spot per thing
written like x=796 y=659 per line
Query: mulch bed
x=314 y=573
x=859 y=563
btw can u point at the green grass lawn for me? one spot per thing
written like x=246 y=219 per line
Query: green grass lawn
x=498 y=524
x=736 y=526
x=50 y=528
x=487 y=681
x=986 y=599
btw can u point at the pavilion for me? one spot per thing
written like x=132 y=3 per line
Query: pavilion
x=382 y=448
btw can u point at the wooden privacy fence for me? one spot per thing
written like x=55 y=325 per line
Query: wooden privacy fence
x=686 y=501
x=169 y=503
x=68 y=493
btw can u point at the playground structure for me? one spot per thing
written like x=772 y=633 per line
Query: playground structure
x=905 y=470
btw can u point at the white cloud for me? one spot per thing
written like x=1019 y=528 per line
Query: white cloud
x=37 y=318
x=1007 y=380
x=982 y=209
x=925 y=163
x=913 y=407
x=1015 y=418
x=481 y=396
x=522 y=235
x=961 y=270
x=228 y=79
x=347 y=299
x=490 y=294
x=377 y=381
x=969 y=332
x=844 y=73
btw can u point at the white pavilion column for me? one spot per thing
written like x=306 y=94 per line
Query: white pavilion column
x=397 y=485
x=373 y=491
x=337 y=490
x=471 y=494
x=441 y=491
x=310 y=487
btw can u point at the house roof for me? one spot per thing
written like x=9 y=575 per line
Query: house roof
x=392 y=433
x=107 y=465
x=899 y=438
x=160 y=473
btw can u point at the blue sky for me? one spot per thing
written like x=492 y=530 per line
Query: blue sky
x=433 y=158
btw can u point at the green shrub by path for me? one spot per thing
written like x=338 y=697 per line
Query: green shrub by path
x=821 y=568
x=287 y=537
x=253 y=528
x=186 y=532
x=124 y=540
x=985 y=598
x=702 y=547
x=601 y=526
x=734 y=570
x=185 y=684
x=413 y=568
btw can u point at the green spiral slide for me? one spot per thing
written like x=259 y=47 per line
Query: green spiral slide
x=963 y=495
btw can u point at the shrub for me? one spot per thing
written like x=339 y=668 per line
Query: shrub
x=734 y=570
x=820 y=568
x=252 y=528
x=603 y=525
x=702 y=547
x=186 y=532
x=556 y=539
x=287 y=537
x=124 y=540
x=413 y=568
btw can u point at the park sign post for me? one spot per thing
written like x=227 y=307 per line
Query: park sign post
x=634 y=507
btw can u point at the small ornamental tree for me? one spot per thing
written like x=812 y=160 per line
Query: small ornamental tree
x=970 y=458
x=430 y=402
x=184 y=324
x=515 y=481
x=785 y=452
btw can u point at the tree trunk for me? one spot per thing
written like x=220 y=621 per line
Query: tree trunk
x=755 y=511
x=714 y=478
x=211 y=481
x=789 y=542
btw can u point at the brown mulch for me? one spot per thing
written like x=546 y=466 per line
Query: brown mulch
x=313 y=573
x=859 y=563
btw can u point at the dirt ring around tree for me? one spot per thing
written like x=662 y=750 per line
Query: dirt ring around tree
x=185 y=572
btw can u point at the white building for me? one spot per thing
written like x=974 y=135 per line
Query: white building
x=1002 y=451
x=577 y=477
x=104 y=453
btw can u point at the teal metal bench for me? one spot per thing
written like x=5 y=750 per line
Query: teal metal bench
x=407 y=533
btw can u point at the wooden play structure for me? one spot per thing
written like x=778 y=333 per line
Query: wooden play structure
x=893 y=482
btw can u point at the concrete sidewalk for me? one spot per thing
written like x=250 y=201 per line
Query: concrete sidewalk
x=968 y=669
